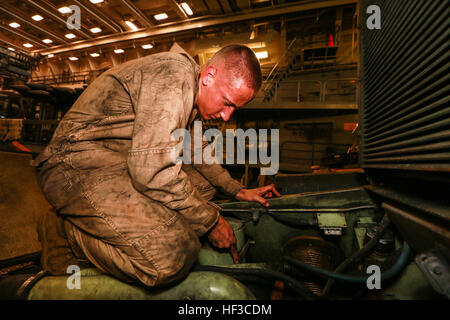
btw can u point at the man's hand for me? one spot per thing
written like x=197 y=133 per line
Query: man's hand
x=258 y=194
x=222 y=235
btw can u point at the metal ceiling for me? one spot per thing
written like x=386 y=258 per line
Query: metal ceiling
x=111 y=16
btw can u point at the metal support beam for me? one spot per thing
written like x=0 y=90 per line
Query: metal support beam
x=25 y=36
x=14 y=46
x=9 y=11
x=179 y=10
x=111 y=25
x=56 y=17
x=199 y=23
x=137 y=13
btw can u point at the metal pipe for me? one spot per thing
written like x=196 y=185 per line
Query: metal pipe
x=331 y=210
x=196 y=24
x=138 y=13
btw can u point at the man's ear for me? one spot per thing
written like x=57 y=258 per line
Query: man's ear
x=209 y=76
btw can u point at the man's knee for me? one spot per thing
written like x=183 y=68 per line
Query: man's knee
x=154 y=260
x=177 y=269
x=173 y=253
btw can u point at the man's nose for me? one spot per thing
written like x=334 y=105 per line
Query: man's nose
x=226 y=114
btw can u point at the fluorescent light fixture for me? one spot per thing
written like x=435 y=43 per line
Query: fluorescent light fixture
x=70 y=36
x=11 y=49
x=27 y=45
x=95 y=55
x=256 y=45
x=262 y=54
x=119 y=51
x=161 y=16
x=51 y=55
x=187 y=9
x=147 y=46
x=96 y=30
x=64 y=10
x=131 y=25
x=96 y=1
x=73 y=58
x=14 y=25
x=47 y=41
x=37 y=17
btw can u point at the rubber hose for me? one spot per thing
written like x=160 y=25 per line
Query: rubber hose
x=359 y=254
x=399 y=265
x=296 y=285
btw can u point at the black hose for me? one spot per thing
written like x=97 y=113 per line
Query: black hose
x=296 y=285
x=398 y=266
x=359 y=254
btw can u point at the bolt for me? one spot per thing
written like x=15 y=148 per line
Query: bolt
x=437 y=270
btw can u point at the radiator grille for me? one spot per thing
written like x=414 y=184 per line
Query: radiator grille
x=405 y=109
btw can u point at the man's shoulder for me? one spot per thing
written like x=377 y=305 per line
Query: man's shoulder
x=146 y=64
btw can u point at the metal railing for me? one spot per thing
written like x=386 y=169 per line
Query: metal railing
x=314 y=91
x=85 y=77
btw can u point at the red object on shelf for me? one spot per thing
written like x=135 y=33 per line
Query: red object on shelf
x=350 y=126
x=331 y=41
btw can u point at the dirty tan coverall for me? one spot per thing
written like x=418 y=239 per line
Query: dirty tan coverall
x=127 y=207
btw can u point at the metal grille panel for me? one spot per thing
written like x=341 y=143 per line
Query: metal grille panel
x=405 y=104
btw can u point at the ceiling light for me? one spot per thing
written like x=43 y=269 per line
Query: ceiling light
x=119 y=51
x=51 y=55
x=161 y=16
x=11 y=49
x=131 y=25
x=96 y=1
x=262 y=54
x=73 y=58
x=147 y=46
x=37 y=17
x=65 y=10
x=256 y=45
x=95 y=55
x=96 y=30
x=47 y=41
x=187 y=9
x=27 y=45
x=70 y=36
x=14 y=25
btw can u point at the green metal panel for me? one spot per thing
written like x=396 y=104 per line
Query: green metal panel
x=96 y=285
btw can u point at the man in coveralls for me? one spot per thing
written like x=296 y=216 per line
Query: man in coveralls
x=121 y=202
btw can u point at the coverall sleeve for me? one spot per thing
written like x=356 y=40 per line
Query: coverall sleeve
x=218 y=176
x=162 y=104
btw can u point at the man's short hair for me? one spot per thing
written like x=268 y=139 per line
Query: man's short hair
x=242 y=63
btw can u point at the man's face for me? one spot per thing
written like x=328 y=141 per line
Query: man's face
x=217 y=97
